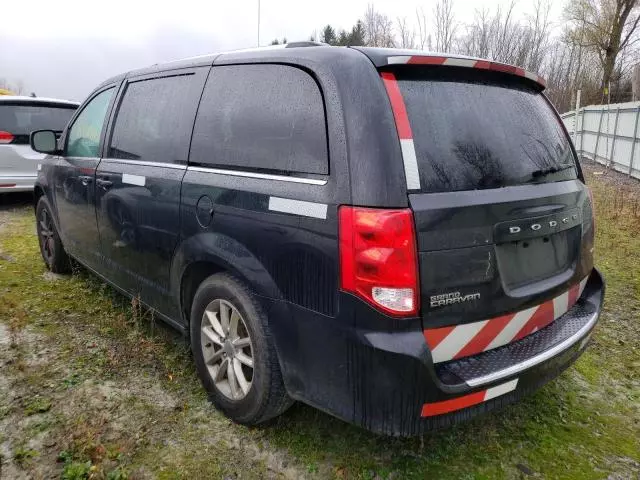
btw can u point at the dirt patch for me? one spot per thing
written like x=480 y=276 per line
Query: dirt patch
x=52 y=277
x=65 y=403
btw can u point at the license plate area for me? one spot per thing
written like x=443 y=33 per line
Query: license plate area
x=531 y=260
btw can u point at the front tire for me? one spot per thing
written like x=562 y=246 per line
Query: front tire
x=234 y=353
x=51 y=249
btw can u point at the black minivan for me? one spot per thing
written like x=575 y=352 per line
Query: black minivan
x=400 y=239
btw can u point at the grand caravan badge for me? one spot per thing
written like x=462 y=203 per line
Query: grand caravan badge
x=451 y=298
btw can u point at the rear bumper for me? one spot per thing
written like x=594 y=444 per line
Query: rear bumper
x=23 y=183
x=533 y=350
x=384 y=379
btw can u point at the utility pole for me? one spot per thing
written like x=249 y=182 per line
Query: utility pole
x=258 y=23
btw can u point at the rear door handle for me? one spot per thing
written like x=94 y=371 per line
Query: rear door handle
x=85 y=179
x=104 y=184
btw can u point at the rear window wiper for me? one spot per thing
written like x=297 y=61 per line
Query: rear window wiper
x=546 y=171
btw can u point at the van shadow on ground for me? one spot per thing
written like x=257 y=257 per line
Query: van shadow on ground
x=9 y=201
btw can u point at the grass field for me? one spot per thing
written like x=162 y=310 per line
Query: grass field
x=93 y=387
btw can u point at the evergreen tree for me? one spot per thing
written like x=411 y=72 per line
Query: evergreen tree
x=343 y=38
x=328 y=35
x=356 y=37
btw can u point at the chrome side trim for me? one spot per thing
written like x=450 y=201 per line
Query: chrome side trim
x=262 y=176
x=533 y=361
x=175 y=166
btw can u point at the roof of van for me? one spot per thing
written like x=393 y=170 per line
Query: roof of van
x=380 y=57
x=36 y=100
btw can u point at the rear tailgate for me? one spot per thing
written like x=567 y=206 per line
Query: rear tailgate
x=20 y=117
x=504 y=223
x=19 y=160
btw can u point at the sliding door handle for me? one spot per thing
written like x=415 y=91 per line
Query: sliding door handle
x=104 y=184
x=85 y=179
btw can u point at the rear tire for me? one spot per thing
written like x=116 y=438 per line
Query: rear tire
x=234 y=352
x=51 y=249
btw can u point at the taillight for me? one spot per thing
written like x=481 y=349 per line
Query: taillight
x=378 y=258
x=5 y=137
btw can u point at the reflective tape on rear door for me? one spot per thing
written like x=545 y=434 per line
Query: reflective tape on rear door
x=403 y=126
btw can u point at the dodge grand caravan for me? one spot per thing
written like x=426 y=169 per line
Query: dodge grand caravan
x=400 y=239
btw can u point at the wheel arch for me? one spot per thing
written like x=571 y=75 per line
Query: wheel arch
x=38 y=192
x=209 y=253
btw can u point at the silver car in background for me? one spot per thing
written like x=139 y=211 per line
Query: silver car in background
x=19 y=116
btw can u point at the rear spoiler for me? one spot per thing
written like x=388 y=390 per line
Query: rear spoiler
x=386 y=57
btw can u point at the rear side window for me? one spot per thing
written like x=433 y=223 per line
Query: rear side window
x=154 y=121
x=24 y=119
x=264 y=117
x=475 y=131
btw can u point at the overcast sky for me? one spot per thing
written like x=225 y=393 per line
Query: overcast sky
x=64 y=48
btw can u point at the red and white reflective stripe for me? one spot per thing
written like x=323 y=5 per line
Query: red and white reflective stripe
x=404 y=131
x=458 y=341
x=463 y=62
x=446 y=406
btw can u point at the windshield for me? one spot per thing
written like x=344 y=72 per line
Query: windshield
x=24 y=119
x=472 y=130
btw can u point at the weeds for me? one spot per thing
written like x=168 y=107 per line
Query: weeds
x=76 y=471
x=37 y=405
x=22 y=455
x=124 y=400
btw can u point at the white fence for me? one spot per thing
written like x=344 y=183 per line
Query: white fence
x=608 y=135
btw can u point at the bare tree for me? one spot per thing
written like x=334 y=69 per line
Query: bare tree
x=606 y=27
x=499 y=36
x=378 y=28
x=569 y=67
x=445 y=25
x=597 y=32
x=422 y=27
x=406 y=35
x=477 y=40
x=538 y=29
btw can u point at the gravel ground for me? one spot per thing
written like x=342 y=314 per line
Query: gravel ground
x=609 y=176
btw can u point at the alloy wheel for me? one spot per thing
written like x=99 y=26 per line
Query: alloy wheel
x=45 y=235
x=227 y=349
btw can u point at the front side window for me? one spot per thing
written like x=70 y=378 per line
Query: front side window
x=262 y=117
x=84 y=135
x=154 y=121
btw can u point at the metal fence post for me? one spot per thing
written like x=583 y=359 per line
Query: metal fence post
x=575 y=118
x=613 y=142
x=635 y=138
x=595 y=151
x=581 y=130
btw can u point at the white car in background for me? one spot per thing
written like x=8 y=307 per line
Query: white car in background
x=19 y=116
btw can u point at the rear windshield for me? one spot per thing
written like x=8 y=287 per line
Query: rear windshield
x=24 y=119
x=475 y=131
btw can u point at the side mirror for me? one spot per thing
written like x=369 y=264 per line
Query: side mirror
x=44 y=141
